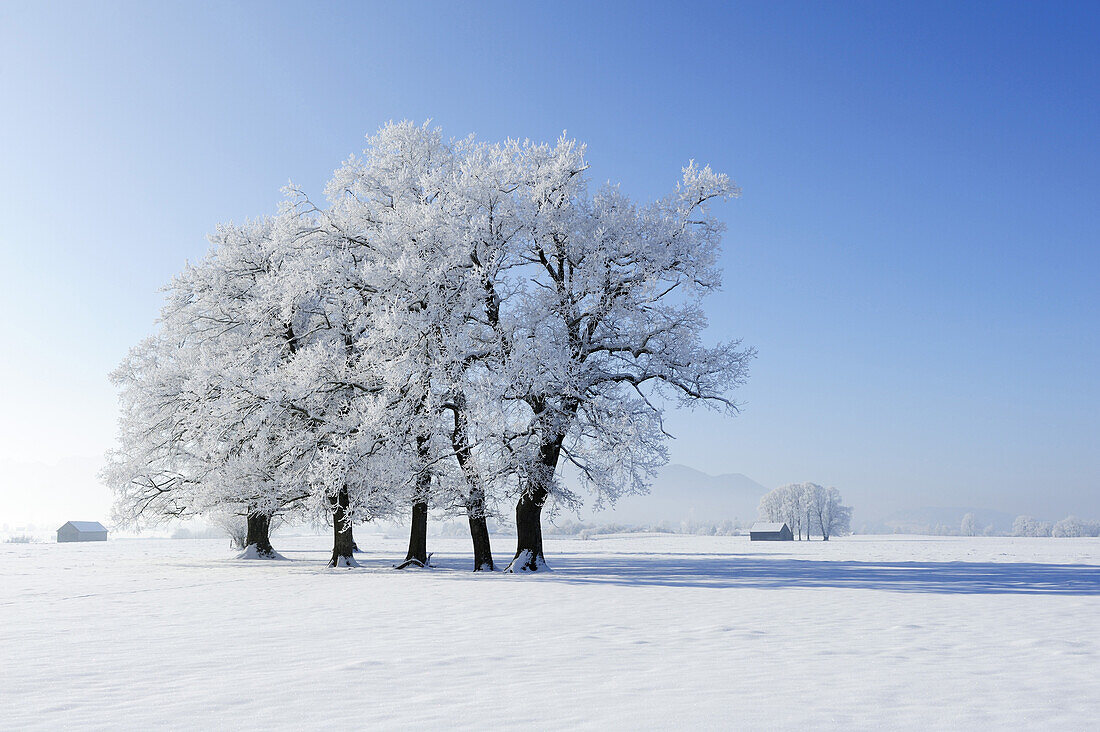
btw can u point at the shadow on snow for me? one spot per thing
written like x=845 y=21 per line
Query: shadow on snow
x=717 y=571
x=732 y=571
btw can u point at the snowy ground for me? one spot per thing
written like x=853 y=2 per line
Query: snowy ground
x=652 y=631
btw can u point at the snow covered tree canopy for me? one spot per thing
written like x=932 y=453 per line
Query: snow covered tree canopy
x=807 y=507
x=452 y=324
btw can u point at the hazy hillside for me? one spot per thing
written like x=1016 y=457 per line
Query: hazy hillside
x=680 y=493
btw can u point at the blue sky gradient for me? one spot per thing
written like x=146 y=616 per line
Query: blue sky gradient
x=915 y=254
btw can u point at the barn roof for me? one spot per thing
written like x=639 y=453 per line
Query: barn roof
x=86 y=525
x=760 y=526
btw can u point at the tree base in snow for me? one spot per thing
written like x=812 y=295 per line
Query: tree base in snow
x=253 y=551
x=415 y=563
x=342 y=562
x=527 y=561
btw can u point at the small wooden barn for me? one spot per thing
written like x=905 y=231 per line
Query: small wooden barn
x=770 y=532
x=82 y=531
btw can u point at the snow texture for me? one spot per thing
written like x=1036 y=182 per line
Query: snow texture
x=345 y=563
x=522 y=563
x=629 y=631
x=253 y=552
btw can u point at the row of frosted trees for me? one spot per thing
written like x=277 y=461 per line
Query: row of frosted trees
x=453 y=325
x=1069 y=527
x=807 y=508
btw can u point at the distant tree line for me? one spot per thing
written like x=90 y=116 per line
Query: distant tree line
x=1069 y=527
x=807 y=508
x=727 y=527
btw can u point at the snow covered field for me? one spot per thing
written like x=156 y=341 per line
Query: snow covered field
x=629 y=631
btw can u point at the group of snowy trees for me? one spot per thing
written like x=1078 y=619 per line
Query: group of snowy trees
x=807 y=508
x=1071 y=526
x=454 y=324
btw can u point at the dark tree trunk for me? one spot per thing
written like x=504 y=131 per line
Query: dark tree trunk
x=418 y=537
x=479 y=532
x=259 y=534
x=417 y=556
x=343 y=543
x=529 y=556
x=475 y=496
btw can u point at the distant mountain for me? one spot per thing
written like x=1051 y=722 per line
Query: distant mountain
x=680 y=493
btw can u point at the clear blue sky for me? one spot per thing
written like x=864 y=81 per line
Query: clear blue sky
x=915 y=255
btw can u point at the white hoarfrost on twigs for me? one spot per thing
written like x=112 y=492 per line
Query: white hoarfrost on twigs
x=456 y=322
x=628 y=632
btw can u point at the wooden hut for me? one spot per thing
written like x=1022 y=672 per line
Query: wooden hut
x=770 y=532
x=82 y=531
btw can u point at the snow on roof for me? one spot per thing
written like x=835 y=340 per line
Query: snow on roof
x=767 y=527
x=86 y=525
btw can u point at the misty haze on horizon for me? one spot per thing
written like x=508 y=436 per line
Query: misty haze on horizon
x=679 y=494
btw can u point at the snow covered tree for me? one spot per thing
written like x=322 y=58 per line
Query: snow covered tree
x=771 y=506
x=832 y=517
x=1071 y=526
x=197 y=434
x=969 y=525
x=569 y=314
x=607 y=322
x=809 y=506
x=378 y=233
x=790 y=504
x=794 y=506
x=1023 y=526
x=458 y=321
x=405 y=214
x=809 y=497
x=1030 y=526
x=253 y=397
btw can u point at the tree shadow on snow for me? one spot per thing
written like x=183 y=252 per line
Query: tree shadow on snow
x=740 y=571
x=721 y=571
